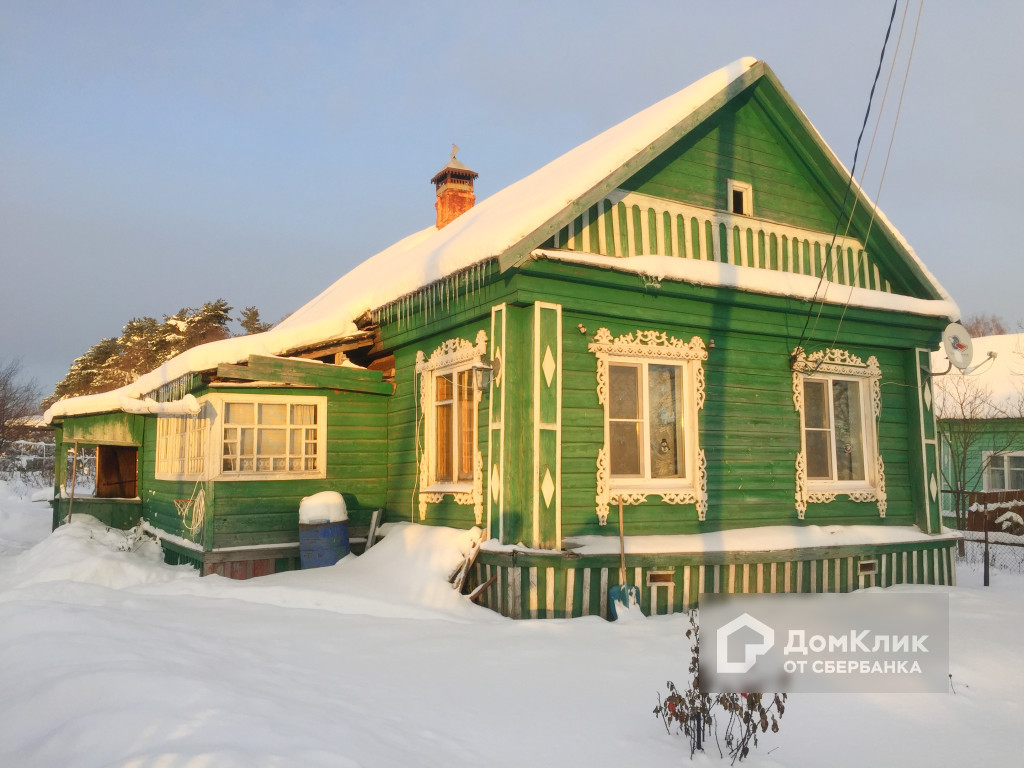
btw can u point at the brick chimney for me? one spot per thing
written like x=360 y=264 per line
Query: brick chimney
x=454 y=185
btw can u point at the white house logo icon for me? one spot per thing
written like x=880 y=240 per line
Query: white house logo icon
x=751 y=650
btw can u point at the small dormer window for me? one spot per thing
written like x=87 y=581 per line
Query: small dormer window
x=740 y=197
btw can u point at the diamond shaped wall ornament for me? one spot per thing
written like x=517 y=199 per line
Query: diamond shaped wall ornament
x=548 y=366
x=928 y=396
x=547 y=487
x=934 y=488
x=495 y=483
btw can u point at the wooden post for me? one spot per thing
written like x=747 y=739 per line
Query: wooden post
x=74 y=477
x=986 y=548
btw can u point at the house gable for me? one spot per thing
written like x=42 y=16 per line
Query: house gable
x=672 y=199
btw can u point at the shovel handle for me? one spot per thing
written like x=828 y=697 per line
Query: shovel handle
x=622 y=548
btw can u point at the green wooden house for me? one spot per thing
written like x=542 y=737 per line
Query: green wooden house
x=662 y=321
x=981 y=423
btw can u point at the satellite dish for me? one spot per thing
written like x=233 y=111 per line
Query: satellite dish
x=956 y=342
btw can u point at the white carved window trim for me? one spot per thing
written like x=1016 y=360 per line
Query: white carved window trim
x=654 y=346
x=452 y=356
x=838 y=363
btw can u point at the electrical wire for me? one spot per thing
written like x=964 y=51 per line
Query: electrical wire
x=888 y=154
x=849 y=184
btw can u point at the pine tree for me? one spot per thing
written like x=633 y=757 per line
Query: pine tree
x=144 y=344
x=251 y=323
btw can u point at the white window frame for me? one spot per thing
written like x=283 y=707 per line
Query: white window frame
x=183 y=441
x=829 y=365
x=988 y=458
x=219 y=403
x=452 y=357
x=642 y=349
x=732 y=185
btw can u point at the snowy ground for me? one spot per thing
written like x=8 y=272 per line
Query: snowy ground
x=111 y=658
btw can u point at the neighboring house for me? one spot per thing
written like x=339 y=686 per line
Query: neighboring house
x=640 y=322
x=981 y=420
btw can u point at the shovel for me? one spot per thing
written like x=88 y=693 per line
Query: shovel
x=622 y=596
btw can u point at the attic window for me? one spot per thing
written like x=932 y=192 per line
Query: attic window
x=740 y=197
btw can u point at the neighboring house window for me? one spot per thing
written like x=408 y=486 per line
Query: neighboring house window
x=181 y=446
x=1003 y=471
x=651 y=386
x=838 y=398
x=451 y=463
x=272 y=437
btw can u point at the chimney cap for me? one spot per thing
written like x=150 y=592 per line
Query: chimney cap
x=454 y=168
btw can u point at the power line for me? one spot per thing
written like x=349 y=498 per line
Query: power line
x=849 y=184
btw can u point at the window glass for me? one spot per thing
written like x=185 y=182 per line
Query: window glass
x=819 y=451
x=996 y=474
x=273 y=414
x=269 y=437
x=849 y=425
x=443 y=445
x=303 y=414
x=666 y=420
x=624 y=427
x=834 y=430
x=624 y=399
x=466 y=436
x=625 y=447
x=815 y=408
x=238 y=413
x=1016 y=472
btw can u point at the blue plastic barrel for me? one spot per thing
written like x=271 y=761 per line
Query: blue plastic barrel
x=322 y=544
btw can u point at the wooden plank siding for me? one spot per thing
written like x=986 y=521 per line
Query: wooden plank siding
x=749 y=427
x=535 y=586
x=260 y=512
x=682 y=207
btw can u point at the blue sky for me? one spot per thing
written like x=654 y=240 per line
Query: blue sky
x=157 y=155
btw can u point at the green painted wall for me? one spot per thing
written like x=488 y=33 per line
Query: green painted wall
x=251 y=512
x=740 y=142
x=749 y=427
x=1003 y=435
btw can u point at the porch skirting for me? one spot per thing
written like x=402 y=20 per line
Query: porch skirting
x=536 y=585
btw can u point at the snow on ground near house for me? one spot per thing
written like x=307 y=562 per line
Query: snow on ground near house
x=111 y=658
x=23 y=523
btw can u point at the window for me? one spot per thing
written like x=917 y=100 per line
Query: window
x=838 y=397
x=651 y=386
x=454 y=427
x=740 y=197
x=279 y=436
x=450 y=463
x=834 y=430
x=1003 y=471
x=180 y=446
x=645 y=421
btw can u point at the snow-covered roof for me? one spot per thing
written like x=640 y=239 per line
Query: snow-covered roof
x=1000 y=380
x=486 y=231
